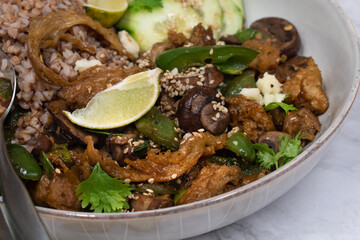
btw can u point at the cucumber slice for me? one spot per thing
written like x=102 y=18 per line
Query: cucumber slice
x=211 y=14
x=233 y=19
x=148 y=28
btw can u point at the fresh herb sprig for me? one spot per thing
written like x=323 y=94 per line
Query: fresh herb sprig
x=103 y=193
x=148 y=5
x=286 y=107
x=288 y=150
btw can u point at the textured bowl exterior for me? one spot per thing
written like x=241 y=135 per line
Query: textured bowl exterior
x=328 y=37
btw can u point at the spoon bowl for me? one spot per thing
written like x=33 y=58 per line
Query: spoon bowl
x=18 y=209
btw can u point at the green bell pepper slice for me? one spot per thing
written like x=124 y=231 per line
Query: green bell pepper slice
x=47 y=165
x=25 y=165
x=159 y=128
x=228 y=59
x=5 y=88
x=234 y=86
x=248 y=34
x=240 y=144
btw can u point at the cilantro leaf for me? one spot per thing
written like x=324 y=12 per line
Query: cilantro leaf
x=288 y=150
x=286 y=107
x=103 y=193
x=145 y=4
x=265 y=156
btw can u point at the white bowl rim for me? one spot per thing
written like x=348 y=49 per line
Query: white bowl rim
x=318 y=143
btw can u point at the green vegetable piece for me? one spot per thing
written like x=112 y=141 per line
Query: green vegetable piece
x=47 y=165
x=240 y=144
x=229 y=59
x=234 y=86
x=25 y=165
x=179 y=195
x=104 y=132
x=103 y=193
x=5 y=88
x=64 y=154
x=11 y=123
x=288 y=150
x=158 y=128
x=228 y=161
x=159 y=189
x=248 y=34
x=286 y=107
x=142 y=149
x=145 y=4
x=246 y=168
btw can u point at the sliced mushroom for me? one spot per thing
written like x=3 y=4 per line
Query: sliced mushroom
x=271 y=139
x=141 y=202
x=283 y=34
x=190 y=107
x=214 y=121
x=72 y=132
x=43 y=144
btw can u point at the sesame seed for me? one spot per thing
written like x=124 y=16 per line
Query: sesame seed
x=199 y=83
x=214 y=119
x=151 y=180
x=89 y=89
x=211 y=82
x=288 y=27
x=174 y=176
x=149 y=190
x=211 y=51
x=201 y=130
x=235 y=143
x=58 y=171
x=127 y=181
x=217 y=115
x=176 y=139
x=126 y=150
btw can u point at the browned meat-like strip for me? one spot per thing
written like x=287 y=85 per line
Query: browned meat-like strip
x=93 y=81
x=58 y=192
x=211 y=181
x=141 y=202
x=305 y=88
x=93 y=156
x=268 y=58
x=169 y=165
x=249 y=116
x=46 y=31
x=302 y=120
x=201 y=36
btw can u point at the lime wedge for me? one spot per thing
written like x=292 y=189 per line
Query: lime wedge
x=107 y=12
x=120 y=104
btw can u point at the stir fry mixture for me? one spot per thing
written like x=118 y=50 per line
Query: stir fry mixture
x=144 y=112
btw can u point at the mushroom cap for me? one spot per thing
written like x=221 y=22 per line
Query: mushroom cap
x=190 y=107
x=283 y=34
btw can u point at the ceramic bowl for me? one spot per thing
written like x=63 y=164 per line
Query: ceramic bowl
x=327 y=36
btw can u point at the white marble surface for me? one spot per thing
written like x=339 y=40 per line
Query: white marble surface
x=326 y=204
x=323 y=206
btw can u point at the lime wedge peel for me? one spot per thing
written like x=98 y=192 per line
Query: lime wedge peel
x=107 y=12
x=121 y=104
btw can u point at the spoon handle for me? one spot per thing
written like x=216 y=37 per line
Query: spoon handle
x=19 y=211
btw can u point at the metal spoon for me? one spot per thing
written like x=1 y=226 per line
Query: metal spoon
x=19 y=211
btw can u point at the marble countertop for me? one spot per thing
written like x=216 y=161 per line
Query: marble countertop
x=325 y=205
